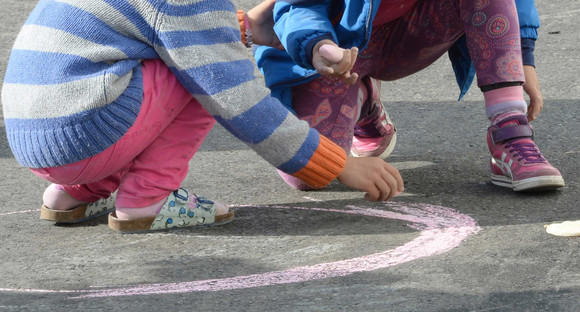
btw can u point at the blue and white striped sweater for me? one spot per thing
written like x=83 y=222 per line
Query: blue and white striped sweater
x=73 y=84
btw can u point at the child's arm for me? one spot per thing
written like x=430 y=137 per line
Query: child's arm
x=257 y=25
x=328 y=59
x=217 y=70
x=308 y=35
x=529 y=24
x=300 y=25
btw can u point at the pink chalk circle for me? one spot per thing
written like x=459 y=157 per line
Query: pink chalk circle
x=331 y=53
x=441 y=230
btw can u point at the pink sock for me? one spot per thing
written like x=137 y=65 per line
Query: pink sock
x=137 y=213
x=56 y=198
x=502 y=102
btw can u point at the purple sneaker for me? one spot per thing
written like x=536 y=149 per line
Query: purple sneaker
x=516 y=161
x=375 y=135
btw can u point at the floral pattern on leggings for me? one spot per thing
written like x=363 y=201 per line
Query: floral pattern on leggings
x=410 y=44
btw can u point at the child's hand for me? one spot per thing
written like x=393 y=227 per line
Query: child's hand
x=332 y=61
x=380 y=180
x=261 y=22
x=532 y=88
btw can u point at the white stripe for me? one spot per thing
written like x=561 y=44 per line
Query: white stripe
x=183 y=2
x=202 y=21
x=200 y=55
x=51 y=101
x=238 y=99
x=45 y=39
x=112 y=17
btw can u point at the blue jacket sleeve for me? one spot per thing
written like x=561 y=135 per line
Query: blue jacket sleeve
x=300 y=25
x=529 y=19
x=529 y=24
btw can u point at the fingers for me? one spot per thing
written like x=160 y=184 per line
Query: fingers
x=387 y=185
x=382 y=190
x=350 y=78
x=325 y=70
x=532 y=115
x=340 y=68
x=393 y=183
x=351 y=55
x=332 y=61
x=347 y=62
x=535 y=107
x=397 y=176
x=372 y=175
x=532 y=88
x=372 y=194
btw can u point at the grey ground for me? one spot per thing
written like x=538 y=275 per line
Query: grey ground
x=512 y=264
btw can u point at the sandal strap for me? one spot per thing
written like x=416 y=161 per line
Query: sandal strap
x=179 y=211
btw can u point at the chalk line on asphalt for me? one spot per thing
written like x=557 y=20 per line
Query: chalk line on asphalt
x=441 y=230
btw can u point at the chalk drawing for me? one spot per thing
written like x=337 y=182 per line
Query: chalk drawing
x=18 y=212
x=441 y=230
x=312 y=199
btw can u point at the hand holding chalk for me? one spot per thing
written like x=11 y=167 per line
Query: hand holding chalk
x=335 y=62
x=331 y=52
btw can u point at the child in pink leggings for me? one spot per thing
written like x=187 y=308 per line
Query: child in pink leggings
x=118 y=96
x=339 y=94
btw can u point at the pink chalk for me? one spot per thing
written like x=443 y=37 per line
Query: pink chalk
x=331 y=53
x=18 y=212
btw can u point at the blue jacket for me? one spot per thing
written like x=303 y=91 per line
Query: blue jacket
x=300 y=24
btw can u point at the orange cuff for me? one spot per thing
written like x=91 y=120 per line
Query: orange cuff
x=242 y=23
x=324 y=166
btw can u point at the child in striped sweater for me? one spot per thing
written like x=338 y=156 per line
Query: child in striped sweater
x=105 y=96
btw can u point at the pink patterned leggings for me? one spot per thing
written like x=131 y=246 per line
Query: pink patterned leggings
x=410 y=44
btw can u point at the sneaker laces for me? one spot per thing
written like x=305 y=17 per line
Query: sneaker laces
x=525 y=150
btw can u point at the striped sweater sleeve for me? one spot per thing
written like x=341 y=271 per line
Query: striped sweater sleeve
x=205 y=53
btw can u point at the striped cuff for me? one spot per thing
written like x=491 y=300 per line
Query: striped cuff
x=324 y=166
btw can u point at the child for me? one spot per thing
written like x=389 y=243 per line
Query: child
x=398 y=38
x=118 y=96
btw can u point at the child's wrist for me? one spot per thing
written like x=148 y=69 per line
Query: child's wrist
x=325 y=165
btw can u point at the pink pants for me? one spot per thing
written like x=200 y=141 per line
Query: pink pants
x=152 y=158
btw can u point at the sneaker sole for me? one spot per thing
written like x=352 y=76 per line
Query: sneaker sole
x=545 y=183
x=384 y=154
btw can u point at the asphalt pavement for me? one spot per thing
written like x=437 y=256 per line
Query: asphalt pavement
x=451 y=242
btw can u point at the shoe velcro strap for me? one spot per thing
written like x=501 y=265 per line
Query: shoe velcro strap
x=506 y=133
